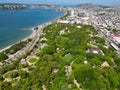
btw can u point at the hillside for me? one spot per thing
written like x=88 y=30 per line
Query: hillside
x=69 y=58
x=12 y=6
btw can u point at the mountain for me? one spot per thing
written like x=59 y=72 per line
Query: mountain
x=41 y=6
x=13 y=6
x=91 y=6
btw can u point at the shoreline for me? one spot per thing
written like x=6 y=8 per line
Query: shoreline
x=26 y=38
x=33 y=32
x=9 y=46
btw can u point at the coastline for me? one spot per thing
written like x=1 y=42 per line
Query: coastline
x=9 y=46
x=33 y=32
x=26 y=38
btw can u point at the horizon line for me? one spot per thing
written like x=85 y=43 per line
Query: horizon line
x=60 y=4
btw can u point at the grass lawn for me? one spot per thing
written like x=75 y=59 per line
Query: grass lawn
x=11 y=74
x=32 y=60
x=68 y=58
x=8 y=75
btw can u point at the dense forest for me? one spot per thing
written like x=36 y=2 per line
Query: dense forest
x=64 y=62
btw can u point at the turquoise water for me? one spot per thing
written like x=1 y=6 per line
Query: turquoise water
x=12 y=22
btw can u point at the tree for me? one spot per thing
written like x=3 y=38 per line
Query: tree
x=23 y=74
x=3 y=56
x=88 y=77
x=14 y=74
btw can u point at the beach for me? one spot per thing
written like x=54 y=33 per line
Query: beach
x=30 y=36
x=1 y=50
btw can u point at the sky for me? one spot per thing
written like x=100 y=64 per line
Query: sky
x=64 y=2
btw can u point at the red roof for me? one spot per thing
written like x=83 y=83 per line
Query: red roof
x=101 y=26
x=116 y=35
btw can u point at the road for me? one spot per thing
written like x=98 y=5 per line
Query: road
x=108 y=40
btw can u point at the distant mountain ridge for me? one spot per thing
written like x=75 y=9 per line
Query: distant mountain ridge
x=90 y=5
x=94 y=7
x=12 y=6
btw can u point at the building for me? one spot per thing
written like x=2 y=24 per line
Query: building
x=105 y=64
x=63 y=21
x=115 y=39
x=96 y=51
x=72 y=13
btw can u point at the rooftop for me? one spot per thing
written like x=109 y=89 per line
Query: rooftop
x=96 y=51
x=105 y=64
x=116 y=38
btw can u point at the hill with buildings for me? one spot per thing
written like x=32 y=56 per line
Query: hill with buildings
x=12 y=6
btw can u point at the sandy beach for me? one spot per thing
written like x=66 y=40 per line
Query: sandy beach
x=30 y=36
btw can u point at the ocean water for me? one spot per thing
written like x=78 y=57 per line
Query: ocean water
x=13 y=21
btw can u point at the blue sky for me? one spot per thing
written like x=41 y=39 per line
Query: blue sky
x=65 y=2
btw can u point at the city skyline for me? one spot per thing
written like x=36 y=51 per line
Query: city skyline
x=64 y=2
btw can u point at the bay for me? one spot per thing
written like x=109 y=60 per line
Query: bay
x=13 y=21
